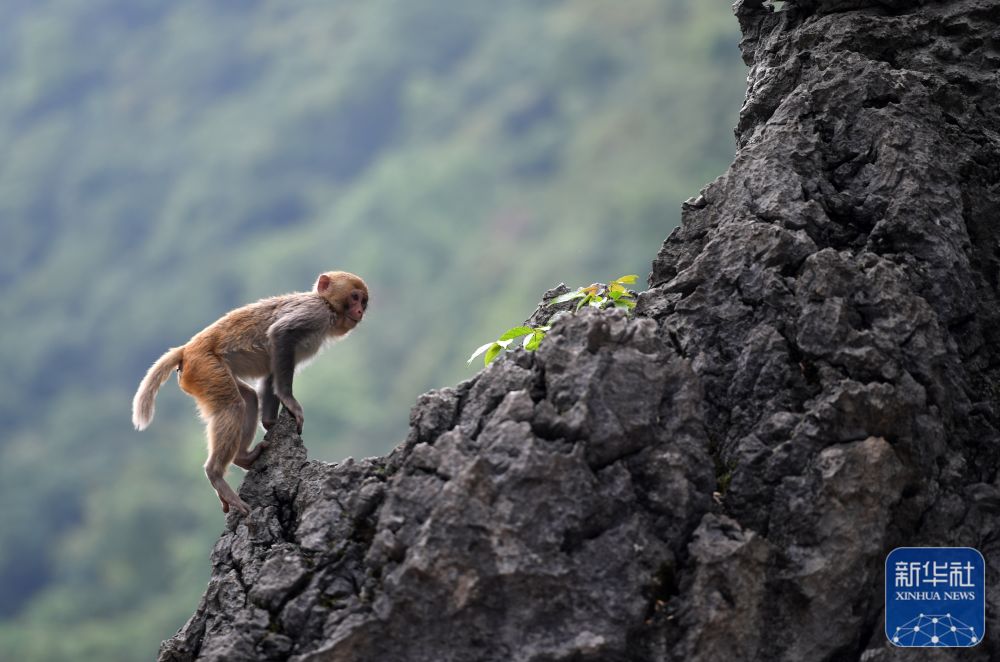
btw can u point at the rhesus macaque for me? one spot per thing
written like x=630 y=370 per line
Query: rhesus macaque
x=261 y=340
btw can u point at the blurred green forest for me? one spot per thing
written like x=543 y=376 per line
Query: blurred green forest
x=164 y=162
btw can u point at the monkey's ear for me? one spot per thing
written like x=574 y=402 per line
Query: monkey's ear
x=323 y=283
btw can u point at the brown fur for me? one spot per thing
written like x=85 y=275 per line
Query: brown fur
x=245 y=344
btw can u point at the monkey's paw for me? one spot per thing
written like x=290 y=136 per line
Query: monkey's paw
x=246 y=461
x=239 y=504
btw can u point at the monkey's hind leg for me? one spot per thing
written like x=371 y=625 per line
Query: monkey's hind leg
x=224 y=435
x=244 y=456
x=209 y=380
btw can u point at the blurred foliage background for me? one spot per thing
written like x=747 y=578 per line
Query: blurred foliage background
x=164 y=162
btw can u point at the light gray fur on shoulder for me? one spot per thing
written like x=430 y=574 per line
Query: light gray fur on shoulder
x=308 y=313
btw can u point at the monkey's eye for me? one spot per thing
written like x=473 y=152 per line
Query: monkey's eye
x=354 y=296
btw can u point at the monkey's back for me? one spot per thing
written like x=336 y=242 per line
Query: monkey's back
x=240 y=336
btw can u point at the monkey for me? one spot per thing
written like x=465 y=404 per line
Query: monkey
x=263 y=340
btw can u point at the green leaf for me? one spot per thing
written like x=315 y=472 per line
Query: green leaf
x=631 y=278
x=492 y=353
x=515 y=332
x=625 y=303
x=615 y=294
x=534 y=341
x=480 y=351
x=584 y=301
x=569 y=296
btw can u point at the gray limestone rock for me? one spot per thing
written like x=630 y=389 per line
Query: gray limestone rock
x=812 y=379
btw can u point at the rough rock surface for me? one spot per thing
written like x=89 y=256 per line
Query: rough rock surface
x=812 y=379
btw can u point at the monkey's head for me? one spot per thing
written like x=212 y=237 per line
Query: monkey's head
x=347 y=294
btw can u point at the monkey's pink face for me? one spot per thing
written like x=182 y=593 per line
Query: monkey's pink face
x=357 y=303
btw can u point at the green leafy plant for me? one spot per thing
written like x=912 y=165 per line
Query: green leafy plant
x=532 y=337
x=602 y=295
x=599 y=295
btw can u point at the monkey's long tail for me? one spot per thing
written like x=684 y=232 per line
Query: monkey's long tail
x=143 y=405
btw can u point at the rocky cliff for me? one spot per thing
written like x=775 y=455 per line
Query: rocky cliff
x=812 y=379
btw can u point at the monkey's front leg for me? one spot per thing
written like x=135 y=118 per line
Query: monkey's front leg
x=269 y=404
x=283 y=370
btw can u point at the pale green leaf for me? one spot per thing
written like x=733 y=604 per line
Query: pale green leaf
x=569 y=296
x=492 y=353
x=515 y=332
x=480 y=351
x=631 y=278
